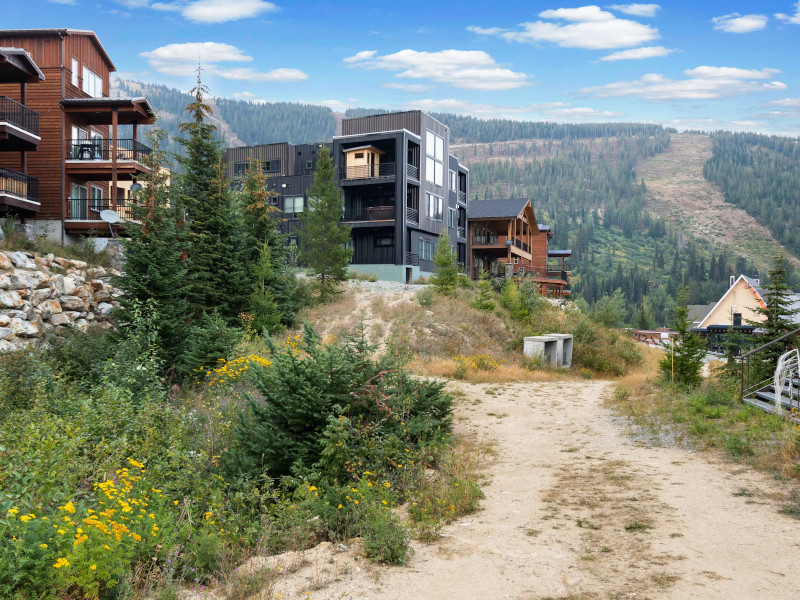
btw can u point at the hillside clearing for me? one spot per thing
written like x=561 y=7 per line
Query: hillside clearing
x=678 y=192
x=576 y=509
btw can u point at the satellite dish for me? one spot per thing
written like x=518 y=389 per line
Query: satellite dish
x=109 y=216
x=135 y=187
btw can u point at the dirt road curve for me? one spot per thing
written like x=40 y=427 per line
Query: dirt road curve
x=577 y=509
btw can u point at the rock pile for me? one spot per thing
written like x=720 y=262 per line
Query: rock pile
x=40 y=295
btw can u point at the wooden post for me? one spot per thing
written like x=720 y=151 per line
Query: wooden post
x=23 y=97
x=114 y=142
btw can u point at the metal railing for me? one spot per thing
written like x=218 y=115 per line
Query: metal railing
x=369 y=213
x=488 y=240
x=462 y=232
x=757 y=367
x=88 y=209
x=412 y=259
x=412 y=215
x=412 y=172
x=521 y=245
x=379 y=171
x=19 y=115
x=104 y=149
x=462 y=197
x=373 y=256
x=19 y=184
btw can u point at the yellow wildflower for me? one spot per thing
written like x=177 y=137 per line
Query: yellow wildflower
x=61 y=562
x=93 y=568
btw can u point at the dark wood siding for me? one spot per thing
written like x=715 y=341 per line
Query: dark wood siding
x=410 y=120
x=84 y=49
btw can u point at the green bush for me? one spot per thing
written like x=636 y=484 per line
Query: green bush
x=385 y=537
x=426 y=297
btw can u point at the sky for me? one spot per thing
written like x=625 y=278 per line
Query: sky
x=685 y=64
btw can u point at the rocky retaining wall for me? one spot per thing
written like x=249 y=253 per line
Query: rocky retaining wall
x=41 y=295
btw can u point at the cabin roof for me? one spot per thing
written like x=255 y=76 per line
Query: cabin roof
x=364 y=147
x=20 y=63
x=499 y=208
x=698 y=312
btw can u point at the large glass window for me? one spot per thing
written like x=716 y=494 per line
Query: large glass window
x=76 y=75
x=293 y=204
x=425 y=249
x=92 y=83
x=434 y=160
x=453 y=181
x=452 y=220
x=435 y=207
x=239 y=169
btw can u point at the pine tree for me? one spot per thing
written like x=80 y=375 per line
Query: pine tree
x=445 y=277
x=683 y=360
x=217 y=272
x=779 y=314
x=155 y=269
x=323 y=237
x=485 y=299
x=263 y=305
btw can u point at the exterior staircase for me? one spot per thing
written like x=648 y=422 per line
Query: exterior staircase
x=769 y=385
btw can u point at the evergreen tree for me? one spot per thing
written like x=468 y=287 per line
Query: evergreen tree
x=445 y=277
x=155 y=269
x=644 y=316
x=209 y=340
x=779 y=314
x=323 y=237
x=217 y=271
x=485 y=299
x=263 y=305
x=684 y=355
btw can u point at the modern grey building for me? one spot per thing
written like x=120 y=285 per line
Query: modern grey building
x=401 y=187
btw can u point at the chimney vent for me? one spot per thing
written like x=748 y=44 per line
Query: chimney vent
x=733 y=280
x=757 y=281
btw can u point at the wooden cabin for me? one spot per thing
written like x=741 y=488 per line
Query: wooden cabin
x=505 y=240
x=362 y=162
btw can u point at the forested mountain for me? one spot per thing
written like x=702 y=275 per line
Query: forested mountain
x=760 y=174
x=582 y=180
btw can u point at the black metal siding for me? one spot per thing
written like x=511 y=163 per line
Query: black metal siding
x=282 y=151
x=389 y=122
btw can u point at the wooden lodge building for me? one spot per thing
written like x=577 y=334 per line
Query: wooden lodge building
x=64 y=157
x=505 y=240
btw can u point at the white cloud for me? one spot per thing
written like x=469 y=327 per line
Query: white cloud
x=585 y=27
x=639 y=53
x=703 y=83
x=637 y=10
x=182 y=59
x=466 y=69
x=407 y=87
x=785 y=108
x=790 y=19
x=208 y=11
x=736 y=23
x=789 y=102
x=69 y=2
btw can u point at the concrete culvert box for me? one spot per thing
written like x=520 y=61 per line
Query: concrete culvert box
x=554 y=349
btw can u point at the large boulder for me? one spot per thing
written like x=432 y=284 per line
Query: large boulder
x=22 y=261
x=17 y=280
x=48 y=308
x=25 y=329
x=39 y=296
x=72 y=303
x=10 y=299
x=60 y=319
x=5 y=263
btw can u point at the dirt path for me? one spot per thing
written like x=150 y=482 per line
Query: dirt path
x=576 y=509
x=678 y=192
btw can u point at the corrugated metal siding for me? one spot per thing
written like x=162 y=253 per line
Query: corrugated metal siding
x=410 y=120
x=282 y=151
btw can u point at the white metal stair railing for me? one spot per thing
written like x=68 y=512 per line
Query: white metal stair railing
x=787 y=371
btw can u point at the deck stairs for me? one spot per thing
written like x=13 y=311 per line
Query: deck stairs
x=780 y=395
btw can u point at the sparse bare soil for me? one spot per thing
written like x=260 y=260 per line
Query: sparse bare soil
x=576 y=508
x=677 y=191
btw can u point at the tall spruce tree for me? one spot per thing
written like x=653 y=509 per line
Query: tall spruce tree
x=779 y=314
x=323 y=237
x=155 y=269
x=683 y=359
x=217 y=271
x=445 y=277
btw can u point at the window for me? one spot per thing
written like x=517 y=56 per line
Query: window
x=293 y=240
x=76 y=76
x=359 y=155
x=96 y=201
x=293 y=204
x=309 y=165
x=453 y=181
x=239 y=169
x=272 y=166
x=452 y=218
x=384 y=241
x=435 y=207
x=92 y=83
x=434 y=161
x=425 y=249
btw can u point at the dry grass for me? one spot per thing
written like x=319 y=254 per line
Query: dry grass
x=432 y=366
x=640 y=377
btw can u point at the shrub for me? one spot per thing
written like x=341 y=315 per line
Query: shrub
x=426 y=297
x=385 y=537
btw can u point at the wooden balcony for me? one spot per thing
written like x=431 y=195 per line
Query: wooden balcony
x=82 y=215
x=19 y=126
x=381 y=172
x=97 y=158
x=18 y=191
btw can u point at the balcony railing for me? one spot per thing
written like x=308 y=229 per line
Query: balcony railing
x=412 y=172
x=88 y=209
x=412 y=259
x=462 y=232
x=412 y=215
x=488 y=240
x=379 y=171
x=462 y=197
x=369 y=213
x=521 y=245
x=19 y=184
x=104 y=149
x=19 y=115
x=382 y=255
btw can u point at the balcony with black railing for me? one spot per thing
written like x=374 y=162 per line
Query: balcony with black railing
x=19 y=126
x=382 y=255
x=412 y=172
x=412 y=216
x=356 y=173
x=18 y=189
x=462 y=232
x=89 y=209
x=104 y=149
x=462 y=197
x=369 y=214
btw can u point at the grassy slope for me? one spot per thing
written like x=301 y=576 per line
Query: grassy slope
x=678 y=192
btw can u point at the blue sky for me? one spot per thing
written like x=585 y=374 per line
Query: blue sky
x=700 y=65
